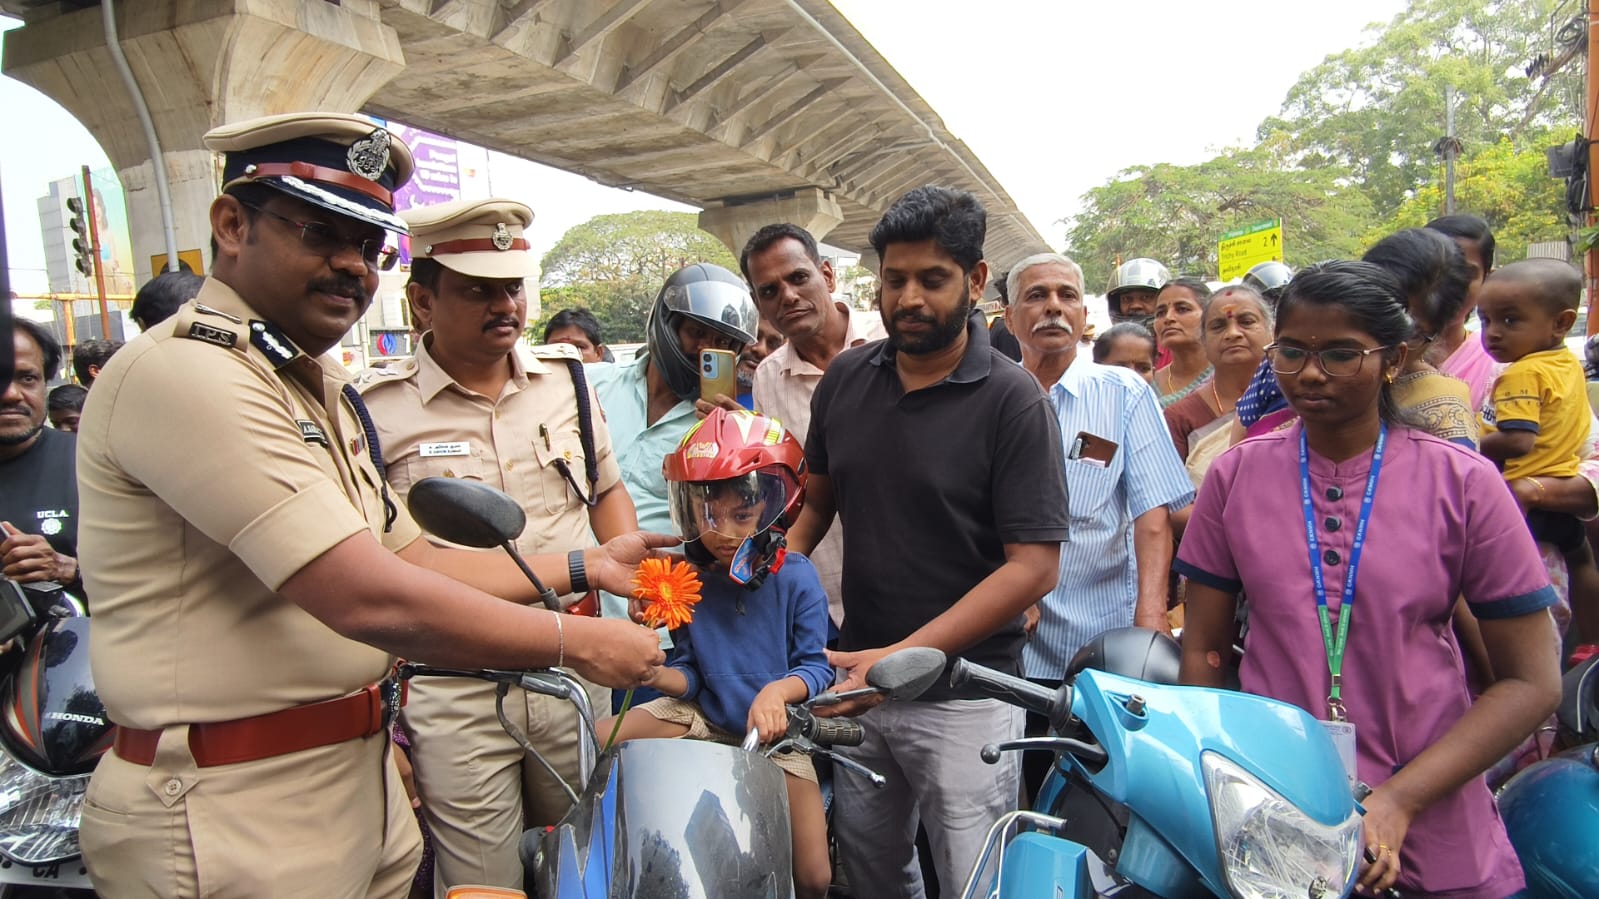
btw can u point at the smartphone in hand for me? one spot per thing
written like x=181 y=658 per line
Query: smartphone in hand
x=718 y=374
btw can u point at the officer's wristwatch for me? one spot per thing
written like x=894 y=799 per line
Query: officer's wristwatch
x=577 y=571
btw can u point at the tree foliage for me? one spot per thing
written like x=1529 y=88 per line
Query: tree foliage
x=1176 y=213
x=1351 y=155
x=1375 y=112
x=1509 y=187
x=631 y=245
x=614 y=266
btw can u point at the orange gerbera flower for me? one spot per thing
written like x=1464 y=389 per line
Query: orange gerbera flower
x=670 y=588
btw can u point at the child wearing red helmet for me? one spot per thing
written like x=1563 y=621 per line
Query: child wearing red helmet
x=757 y=639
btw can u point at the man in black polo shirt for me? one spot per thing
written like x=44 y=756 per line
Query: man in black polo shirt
x=944 y=461
x=38 y=475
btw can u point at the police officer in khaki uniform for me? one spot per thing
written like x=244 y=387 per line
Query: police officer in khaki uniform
x=473 y=402
x=253 y=580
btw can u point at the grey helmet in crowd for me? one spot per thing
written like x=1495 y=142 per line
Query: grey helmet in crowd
x=1135 y=274
x=1270 y=279
x=709 y=294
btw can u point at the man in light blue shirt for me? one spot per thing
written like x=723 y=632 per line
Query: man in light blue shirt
x=649 y=402
x=1123 y=476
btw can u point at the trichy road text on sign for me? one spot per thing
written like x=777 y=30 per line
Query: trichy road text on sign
x=1241 y=249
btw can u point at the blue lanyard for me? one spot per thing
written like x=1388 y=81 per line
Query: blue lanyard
x=1346 y=610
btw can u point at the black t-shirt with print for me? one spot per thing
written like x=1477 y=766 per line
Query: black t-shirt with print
x=931 y=485
x=39 y=490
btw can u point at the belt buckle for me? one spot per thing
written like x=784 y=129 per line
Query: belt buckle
x=389 y=693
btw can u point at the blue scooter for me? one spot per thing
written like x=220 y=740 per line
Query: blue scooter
x=1551 y=809
x=1221 y=794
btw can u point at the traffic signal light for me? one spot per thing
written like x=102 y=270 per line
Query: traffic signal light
x=82 y=246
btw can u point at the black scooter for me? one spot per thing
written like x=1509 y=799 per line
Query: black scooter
x=53 y=731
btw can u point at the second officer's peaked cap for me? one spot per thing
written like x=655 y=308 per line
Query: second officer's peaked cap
x=477 y=238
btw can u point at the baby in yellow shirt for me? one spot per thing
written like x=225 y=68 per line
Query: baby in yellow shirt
x=1537 y=418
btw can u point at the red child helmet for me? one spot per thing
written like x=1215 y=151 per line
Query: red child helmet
x=739 y=475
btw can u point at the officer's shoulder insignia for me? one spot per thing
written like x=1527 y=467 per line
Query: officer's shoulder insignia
x=394 y=373
x=207 y=325
x=222 y=337
x=203 y=309
x=272 y=343
x=557 y=351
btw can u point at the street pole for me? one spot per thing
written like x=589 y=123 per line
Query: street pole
x=6 y=344
x=94 y=247
x=1451 y=149
x=1588 y=132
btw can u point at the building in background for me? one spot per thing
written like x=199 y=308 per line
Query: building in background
x=115 y=260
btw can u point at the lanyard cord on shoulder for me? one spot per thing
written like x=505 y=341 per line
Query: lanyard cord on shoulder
x=585 y=426
x=390 y=512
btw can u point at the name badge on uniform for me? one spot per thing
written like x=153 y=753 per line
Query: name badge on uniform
x=458 y=448
x=1343 y=737
x=310 y=433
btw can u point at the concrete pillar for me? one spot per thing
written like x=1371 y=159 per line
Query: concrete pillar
x=870 y=262
x=199 y=63
x=734 y=223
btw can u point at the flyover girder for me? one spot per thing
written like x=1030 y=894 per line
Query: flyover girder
x=695 y=100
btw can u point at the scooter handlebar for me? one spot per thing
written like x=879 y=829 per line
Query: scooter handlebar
x=838 y=732
x=1014 y=690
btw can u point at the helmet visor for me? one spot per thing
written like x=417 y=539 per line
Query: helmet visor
x=719 y=304
x=734 y=509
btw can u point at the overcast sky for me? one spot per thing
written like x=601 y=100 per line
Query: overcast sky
x=1054 y=97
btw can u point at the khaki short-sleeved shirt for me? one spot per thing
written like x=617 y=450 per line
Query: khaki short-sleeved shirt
x=430 y=426
x=215 y=460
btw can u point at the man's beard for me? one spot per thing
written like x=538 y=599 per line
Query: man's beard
x=20 y=438
x=940 y=336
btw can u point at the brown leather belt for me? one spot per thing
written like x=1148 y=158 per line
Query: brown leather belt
x=361 y=714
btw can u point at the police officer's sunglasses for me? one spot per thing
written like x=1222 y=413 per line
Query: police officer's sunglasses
x=323 y=240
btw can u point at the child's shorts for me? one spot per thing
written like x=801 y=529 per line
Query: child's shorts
x=1564 y=531
x=688 y=714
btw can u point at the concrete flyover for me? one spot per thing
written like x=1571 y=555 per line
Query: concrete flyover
x=755 y=110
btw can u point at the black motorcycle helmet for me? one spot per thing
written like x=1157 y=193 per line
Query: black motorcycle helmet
x=1578 y=713
x=1135 y=652
x=709 y=294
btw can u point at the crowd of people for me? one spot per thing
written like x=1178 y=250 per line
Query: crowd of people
x=921 y=479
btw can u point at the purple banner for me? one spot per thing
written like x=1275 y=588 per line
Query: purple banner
x=437 y=178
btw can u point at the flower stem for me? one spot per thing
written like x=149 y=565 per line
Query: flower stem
x=616 y=728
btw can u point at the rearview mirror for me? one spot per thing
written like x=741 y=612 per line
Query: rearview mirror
x=470 y=513
x=907 y=673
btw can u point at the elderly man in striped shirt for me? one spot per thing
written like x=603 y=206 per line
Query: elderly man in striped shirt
x=1122 y=474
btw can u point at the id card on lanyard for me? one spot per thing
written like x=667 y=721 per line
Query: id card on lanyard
x=1337 y=723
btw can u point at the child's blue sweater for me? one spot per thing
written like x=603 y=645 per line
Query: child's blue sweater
x=728 y=655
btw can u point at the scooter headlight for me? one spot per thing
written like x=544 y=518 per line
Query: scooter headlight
x=1269 y=848
x=38 y=815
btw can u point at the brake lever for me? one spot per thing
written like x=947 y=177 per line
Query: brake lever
x=827 y=699
x=1087 y=752
x=877 y=780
